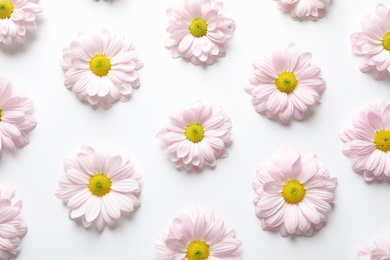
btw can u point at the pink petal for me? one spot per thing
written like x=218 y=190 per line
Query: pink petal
x=126 y=186
x=93 y=209
x=109 y=204
x=291 y=218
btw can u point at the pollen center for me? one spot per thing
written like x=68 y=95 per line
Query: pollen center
x=100 y=65
x=386 y=42
x=6 y=9
x=286 y=82
x=99 y=184
x=293 y=192
x=382 y=140
x=194 y=132
x=1 y=114
x=197 y=250
x=198 y=27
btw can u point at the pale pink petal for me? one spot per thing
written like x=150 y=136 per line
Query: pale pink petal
x=379 y=251
x=225 y=248
x=291 y=219
x=110 y=207
x=126 y=186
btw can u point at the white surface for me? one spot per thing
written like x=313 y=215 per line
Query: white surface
x=64 y=124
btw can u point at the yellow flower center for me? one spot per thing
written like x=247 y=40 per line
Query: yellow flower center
x=198 y=27
x=6 y=9
x=382 y=140
x=386 y=42
x=286 y=82
x=194 y=132
x=293 y=192
x=100 y=65
x=198 y=250
x=1 y=114
x=99 y=184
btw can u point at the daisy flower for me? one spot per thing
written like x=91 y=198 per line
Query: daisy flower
x=379 y=251
x=196 y=136
x=286 y=85
x=198 y=31
x=12 y=227
x=197 y=235
x=15 y=117
x=99 y=186
x=367 y=142
x=373 y=43
x=17 y=17
x=294 y=193
x=101 y=68
x=304 y=9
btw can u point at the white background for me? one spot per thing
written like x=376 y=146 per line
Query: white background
x=65 y=124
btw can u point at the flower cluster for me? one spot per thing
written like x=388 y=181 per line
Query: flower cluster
x=99 y=186
x=294 y=193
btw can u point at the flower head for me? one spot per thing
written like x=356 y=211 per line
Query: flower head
x=17 y=17
x=379 y=251
x=198 y=31
x=101 y=68
x=293 y=193
x=367 y=142
x=15 y=117
x=12 y=227
x=373 y=43
x=99 y=186
x=197 y=235
x=304 y=9
x=286 y=85
x=196 y=136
